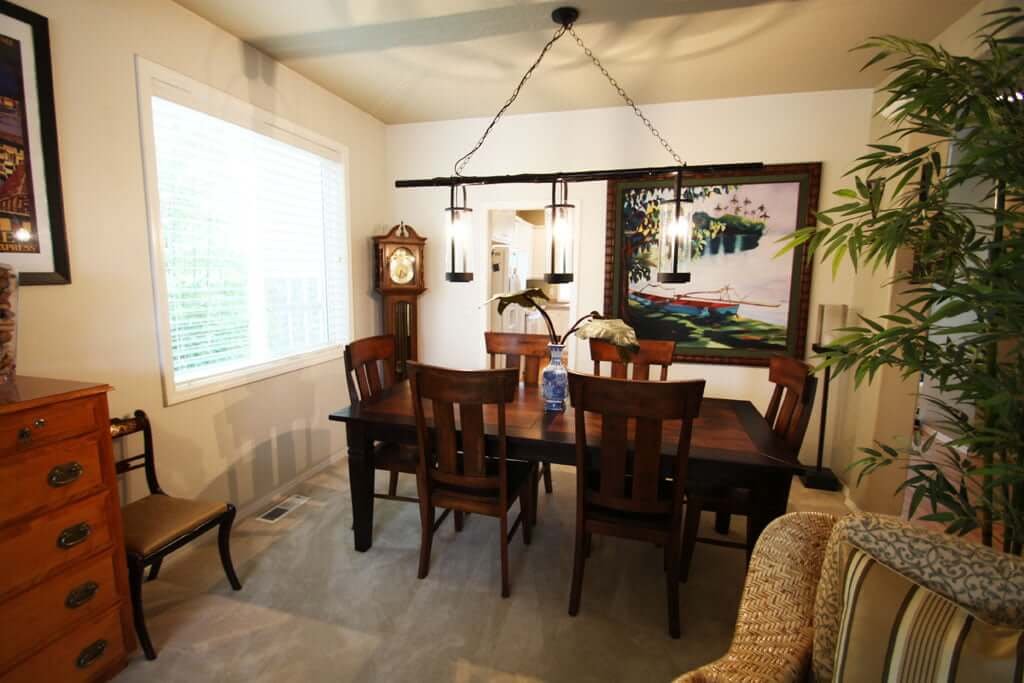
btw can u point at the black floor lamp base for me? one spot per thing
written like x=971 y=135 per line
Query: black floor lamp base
x=823 y=480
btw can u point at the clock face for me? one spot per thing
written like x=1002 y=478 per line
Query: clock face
x=402 y=266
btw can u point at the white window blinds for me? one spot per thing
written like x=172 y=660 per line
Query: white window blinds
x=253 y=247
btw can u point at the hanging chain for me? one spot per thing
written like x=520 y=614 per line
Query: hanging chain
x=626 y=98
x=461 y=163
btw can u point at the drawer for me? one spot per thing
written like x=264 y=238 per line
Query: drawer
x=48 y=477
x=39 y=426
x=82 y=655
x=32 y=549
x=85 y=591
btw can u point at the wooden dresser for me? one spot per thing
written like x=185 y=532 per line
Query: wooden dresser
x=65 y=612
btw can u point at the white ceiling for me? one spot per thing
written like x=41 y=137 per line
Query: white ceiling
x=423 y=60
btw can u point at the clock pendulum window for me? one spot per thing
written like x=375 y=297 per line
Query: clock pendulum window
x=398 y=277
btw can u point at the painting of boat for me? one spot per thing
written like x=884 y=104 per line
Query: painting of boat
x=696 y=304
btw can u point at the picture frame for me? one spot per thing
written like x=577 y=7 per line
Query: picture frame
x=742 y=305
x=33 y=235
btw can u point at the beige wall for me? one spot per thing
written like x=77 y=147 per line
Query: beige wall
x=831 y=127
x=243 y=443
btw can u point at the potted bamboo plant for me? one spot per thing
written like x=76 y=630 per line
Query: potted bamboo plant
x=968 y=279
x=554 y=376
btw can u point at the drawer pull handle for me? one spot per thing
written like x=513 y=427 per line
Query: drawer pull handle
x=39 y=423
x=91 y=653
x=24 y=434
x=73 y=535
x=81 y=595
x=62 y=475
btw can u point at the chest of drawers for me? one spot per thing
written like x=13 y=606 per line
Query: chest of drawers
x=65 y=612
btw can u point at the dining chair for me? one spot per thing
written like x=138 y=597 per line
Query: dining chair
x=158 y=524
x=370 y=370
x=459 y=468
x=789 y=411
x=630 y=494
x=651 y=352
x=529 y=353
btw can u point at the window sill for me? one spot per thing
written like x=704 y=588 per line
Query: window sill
x=187 y=391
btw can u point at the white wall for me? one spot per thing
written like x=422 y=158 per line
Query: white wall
x=831 y=127
x=239 y=444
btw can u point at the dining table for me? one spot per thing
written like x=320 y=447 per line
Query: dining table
x=732 y=445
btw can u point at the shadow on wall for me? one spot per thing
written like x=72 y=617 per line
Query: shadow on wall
x=253 y=458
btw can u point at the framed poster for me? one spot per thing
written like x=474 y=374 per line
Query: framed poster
x=32 y=235
x=742 y=305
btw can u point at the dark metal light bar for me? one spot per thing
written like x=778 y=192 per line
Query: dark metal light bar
x=576 y=176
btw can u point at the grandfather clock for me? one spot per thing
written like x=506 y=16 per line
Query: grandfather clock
x=399 y=279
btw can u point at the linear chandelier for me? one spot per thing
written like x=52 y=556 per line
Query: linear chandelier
x=676 y=241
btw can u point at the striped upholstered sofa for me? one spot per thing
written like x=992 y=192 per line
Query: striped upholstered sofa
x=872 y=598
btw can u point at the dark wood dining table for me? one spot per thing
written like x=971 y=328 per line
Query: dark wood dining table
x=732 y=445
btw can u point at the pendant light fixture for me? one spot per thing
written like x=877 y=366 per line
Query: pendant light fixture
x=458 y=233
x=558 y=223
x=675 y=216
x=559 y=218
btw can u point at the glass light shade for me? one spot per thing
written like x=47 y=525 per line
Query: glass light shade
x=675 y=241
x=458 y=237
x=831 y=319
x=558 y=224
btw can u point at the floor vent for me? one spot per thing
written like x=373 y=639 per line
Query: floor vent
x=280 y=510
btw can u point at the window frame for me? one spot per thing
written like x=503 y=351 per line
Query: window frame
x=154 y=80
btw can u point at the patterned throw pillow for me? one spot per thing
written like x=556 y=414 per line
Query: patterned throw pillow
x=895 y=631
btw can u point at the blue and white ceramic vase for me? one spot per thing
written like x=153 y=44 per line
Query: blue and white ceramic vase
x=554 y=381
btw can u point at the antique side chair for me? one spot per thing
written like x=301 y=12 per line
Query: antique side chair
x=158 y=524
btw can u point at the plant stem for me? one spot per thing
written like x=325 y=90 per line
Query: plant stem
x=552 y=335
x=576 y=325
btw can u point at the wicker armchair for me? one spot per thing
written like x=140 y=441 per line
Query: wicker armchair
x=789 y=617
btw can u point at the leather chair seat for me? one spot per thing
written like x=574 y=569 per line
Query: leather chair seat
x=154 y=521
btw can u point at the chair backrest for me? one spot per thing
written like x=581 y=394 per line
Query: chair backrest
x=122 y=427
x=369 y=367
x=525 y=352
x=792 y=400
x=651 y=352
x=445 y=458
x=630 y=477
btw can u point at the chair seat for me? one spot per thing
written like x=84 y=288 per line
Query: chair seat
x=395 y=457
x=156 y=520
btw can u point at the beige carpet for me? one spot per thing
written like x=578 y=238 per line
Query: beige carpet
x=313 y=609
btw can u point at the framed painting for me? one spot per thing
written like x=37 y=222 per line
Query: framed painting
x=32 y=235
x=742 y=305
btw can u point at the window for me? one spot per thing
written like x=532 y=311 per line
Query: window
x=249 y=238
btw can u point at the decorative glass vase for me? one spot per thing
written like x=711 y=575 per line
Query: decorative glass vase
x=8 y=321
x=554 y=381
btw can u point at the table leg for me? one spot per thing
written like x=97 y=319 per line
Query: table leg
x=360 y=476
x=770 y=500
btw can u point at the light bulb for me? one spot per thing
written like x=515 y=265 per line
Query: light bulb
x=23 y=234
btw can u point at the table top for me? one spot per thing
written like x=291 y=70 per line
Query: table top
x=727 y=430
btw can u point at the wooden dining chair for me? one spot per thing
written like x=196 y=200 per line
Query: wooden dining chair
x=629 y=494
x=651 y=352
x=158 y=524
x=370 y=370
x=789 y=411
x=458 y=468
x=529 y=353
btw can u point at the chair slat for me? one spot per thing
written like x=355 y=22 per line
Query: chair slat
x=647 y=459
x=369 y=367
x=373 y=377
x=613 y=455
x=792 y=399
x=471 y=417
x=444 y=430
x=531 y=370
